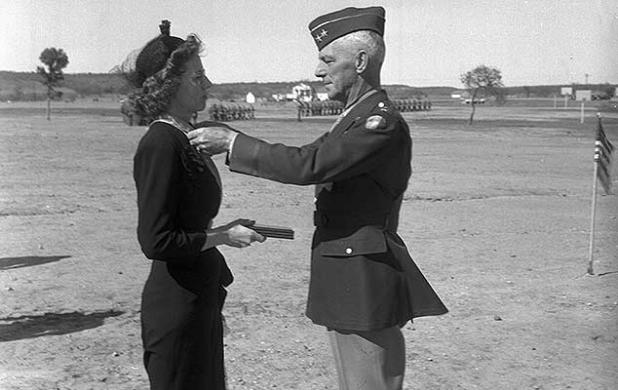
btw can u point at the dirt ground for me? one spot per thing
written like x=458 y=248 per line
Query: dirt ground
x=497 y=216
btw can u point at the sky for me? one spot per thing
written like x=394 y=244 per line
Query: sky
x=428 y=42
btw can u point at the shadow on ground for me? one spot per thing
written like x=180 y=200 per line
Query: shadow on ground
x=48 y=324
x=27 y=261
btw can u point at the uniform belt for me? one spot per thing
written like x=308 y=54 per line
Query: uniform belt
x=321 y=219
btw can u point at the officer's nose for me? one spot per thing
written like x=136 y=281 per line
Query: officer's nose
x=320 y=70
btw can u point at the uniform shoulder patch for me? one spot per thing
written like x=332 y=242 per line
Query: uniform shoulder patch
x=375 y=122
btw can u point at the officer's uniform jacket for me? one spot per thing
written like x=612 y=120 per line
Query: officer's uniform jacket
x=362 y=277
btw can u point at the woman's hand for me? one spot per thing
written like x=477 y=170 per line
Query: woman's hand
x=237 y=234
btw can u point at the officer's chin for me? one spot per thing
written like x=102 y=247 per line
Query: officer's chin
x=331 y=93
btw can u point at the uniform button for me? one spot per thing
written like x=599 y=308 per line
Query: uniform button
x=348 y=250
x=381 y=104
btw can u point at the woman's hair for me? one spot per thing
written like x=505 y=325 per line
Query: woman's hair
x=157 y=72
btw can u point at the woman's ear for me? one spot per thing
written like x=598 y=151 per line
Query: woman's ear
x=362 y=61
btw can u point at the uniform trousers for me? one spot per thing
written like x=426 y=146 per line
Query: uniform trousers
x=369 y=360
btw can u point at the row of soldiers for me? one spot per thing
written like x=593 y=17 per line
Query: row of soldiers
x=404 y=105
x=333 y=107
x=317 y=107
x=231 y=111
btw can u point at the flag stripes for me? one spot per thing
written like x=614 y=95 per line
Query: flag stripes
x=603 y=150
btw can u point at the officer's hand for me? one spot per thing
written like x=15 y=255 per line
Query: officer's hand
x=212 y=140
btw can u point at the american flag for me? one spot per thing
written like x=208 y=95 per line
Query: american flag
x=603 y=150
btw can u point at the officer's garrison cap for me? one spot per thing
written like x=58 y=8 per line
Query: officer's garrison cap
x=326 y=28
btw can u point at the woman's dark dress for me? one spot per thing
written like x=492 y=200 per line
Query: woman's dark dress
x=178 y=195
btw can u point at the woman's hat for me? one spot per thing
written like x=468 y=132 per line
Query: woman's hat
x=153 y=57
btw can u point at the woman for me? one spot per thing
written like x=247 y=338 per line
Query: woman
x=178 y=195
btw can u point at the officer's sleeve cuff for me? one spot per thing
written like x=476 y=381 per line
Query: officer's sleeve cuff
x=230 y=148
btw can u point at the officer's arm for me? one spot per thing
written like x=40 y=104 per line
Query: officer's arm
x=327 y=159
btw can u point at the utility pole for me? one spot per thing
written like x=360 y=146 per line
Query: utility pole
x=586 y=74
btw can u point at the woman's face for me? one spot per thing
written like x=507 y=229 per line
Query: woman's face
x=192 y=92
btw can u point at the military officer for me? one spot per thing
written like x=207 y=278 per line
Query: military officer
x=364 y=285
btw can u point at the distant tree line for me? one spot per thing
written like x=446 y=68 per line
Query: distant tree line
x=606 y=90
x=28 y=86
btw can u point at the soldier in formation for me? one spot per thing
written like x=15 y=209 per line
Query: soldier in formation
x=414 y=104
x=319 y=108
x=231 y=111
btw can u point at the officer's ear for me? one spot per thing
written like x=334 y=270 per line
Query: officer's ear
x=361 y=61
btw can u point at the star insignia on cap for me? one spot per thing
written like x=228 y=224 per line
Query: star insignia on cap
x=322 y=34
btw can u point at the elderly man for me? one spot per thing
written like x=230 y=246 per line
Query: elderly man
x=364 y=285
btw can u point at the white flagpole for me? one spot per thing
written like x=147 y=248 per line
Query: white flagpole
x=592 y=215
x=581 y=120
x=594 y=203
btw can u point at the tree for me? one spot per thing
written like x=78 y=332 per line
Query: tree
x=482 y=81
x=55 y=60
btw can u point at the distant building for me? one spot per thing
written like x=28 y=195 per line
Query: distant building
x=459 y=94
x=278 y=97
x=322 y=96
x=250 y=98
x=465 y=97
x=302 y=92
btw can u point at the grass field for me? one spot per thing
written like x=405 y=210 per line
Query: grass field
x=497 y=215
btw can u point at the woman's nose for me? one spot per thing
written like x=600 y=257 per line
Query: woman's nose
x=206 y=83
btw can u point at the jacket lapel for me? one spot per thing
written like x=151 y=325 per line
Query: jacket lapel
x=356 y=112
x=207 y=160
x=344 y=124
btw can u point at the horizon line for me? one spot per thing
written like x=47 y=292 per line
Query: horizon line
x=317 y=81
